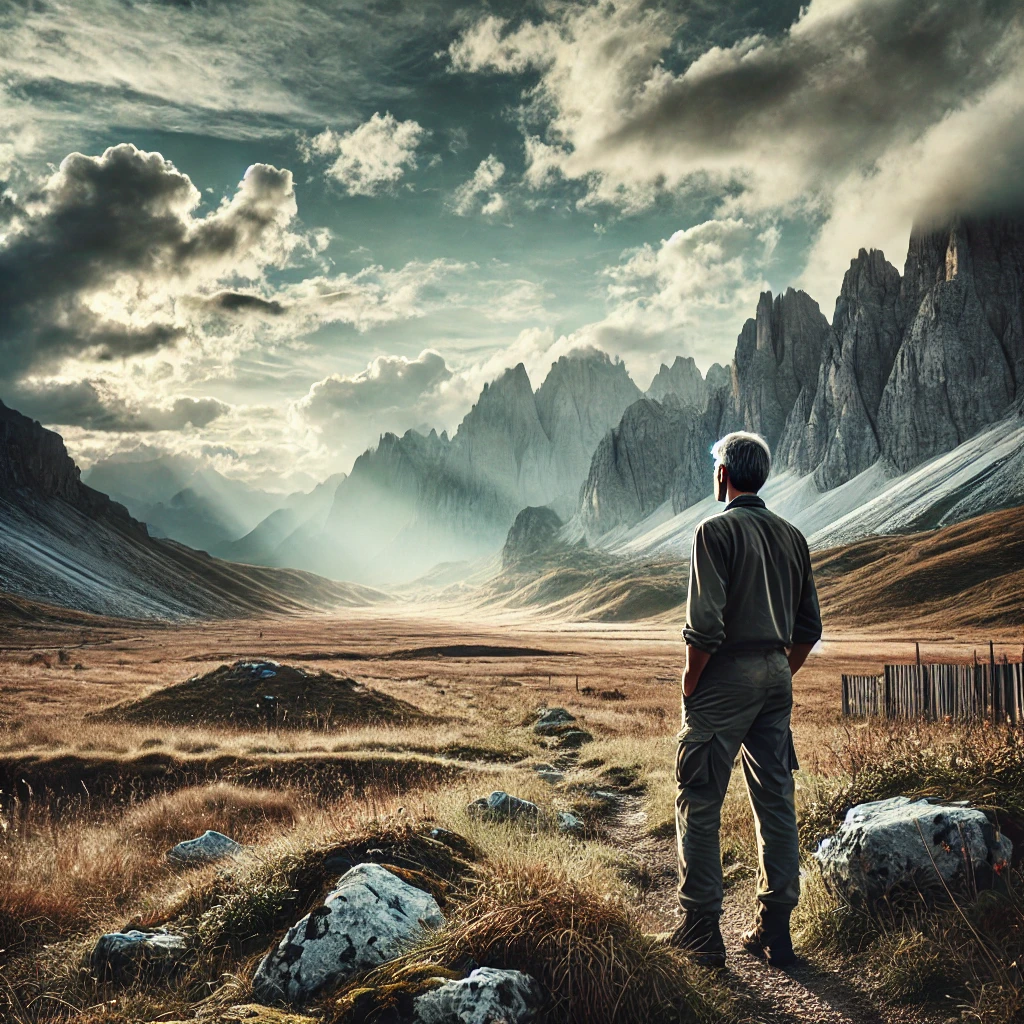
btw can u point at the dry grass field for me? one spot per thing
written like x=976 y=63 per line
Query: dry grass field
x=91 y=803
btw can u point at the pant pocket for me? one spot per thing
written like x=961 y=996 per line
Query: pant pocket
x=791 y=762
x=693 y=763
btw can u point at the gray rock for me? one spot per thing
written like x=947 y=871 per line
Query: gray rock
x=568 y=822
x=897 y=843
x=502 y=806
x=370 y=917
x=683 y=381
x=573 y=739
x=209 y=847
x=551 y=720
x=487 y=996
x=124 y=956
x=551 y=776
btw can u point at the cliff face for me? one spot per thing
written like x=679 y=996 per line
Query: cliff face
x=833 y=430
x=777 y=354
x=959 y=362
x=34 y=460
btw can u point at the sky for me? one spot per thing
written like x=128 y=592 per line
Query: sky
x=261 y=232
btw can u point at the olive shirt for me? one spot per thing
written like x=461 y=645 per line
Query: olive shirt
x=751 y=586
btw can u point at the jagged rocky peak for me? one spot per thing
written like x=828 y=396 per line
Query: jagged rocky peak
x=583 y=396
x=582 y=392
x=832 y=429
x=959 y=363
x=683 y=380
x=777 y=353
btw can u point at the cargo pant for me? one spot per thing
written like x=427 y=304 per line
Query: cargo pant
x=742 y=705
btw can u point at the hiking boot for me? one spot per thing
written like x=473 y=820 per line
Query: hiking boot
x=769 y=938
x=700 y=936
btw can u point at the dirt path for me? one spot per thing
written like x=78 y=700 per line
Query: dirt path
x=808 y=993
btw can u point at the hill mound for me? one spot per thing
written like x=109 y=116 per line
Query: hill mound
x=261 y=694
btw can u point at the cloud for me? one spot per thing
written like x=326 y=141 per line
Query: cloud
x=97 y=254
x=389 y=383
x=859 y=103
x=479 y=192
x=370 y=158
x=92 y=404
x=773 y=116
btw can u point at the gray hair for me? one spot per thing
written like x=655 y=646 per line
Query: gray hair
x=746 y=456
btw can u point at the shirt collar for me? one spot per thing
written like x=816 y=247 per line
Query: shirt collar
x=746 y=501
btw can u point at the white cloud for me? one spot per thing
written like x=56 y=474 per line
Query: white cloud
x=388 y=384
x=373 y=156
x=479 y=192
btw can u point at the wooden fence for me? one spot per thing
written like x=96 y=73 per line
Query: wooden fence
x=993 y=691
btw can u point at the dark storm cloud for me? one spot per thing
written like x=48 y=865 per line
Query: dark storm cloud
x=89 y=404
x=123 y=223
x=774 y=116
x=240 y=302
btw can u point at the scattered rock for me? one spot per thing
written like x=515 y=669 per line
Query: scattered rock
x=604 y=796
x=550 y=775
x=573 y=739
x=505 y=807
x=209 y=847
x=569 y=823
x=552 y=720
x=487 y=996
x=125 y=956
x=371 y=917
x=901 y=842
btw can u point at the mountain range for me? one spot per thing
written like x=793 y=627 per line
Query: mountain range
x=903 y=412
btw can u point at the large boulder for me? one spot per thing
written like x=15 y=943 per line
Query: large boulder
x=125 y=956
x=371 y=917
x=487 y=996
x=205 y=849
x=503 y=806
x=904 y=843
x=552 y=721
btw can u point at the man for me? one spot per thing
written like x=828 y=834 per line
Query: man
x=751 y=620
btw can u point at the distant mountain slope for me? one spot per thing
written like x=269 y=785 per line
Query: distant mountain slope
x=970 y=575
x=178 y=497
x=63 y=543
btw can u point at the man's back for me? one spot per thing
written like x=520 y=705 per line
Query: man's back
x=751 y=586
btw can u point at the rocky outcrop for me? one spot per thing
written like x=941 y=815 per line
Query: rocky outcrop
x=534 y=532
x=34 y=460
x=683 y=381
x=583 y=396
x=488 y=996
x=636 y=464
x=371 y=917
x=959 y=363
x=914 y=845
x=777 y=354
x=832 y=430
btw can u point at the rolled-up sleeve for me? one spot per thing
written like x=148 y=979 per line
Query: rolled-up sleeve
x=705 y=598
x=807 y=625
